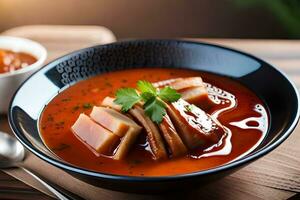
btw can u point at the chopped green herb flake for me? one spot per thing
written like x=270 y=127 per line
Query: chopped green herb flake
x=66 y=99
x=87 y=105
x=50 y=118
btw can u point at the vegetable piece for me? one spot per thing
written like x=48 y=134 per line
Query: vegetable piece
x=196 y=128
x=94 y=135
x=172 y=138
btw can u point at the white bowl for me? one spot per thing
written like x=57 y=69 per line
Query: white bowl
x=10 y=81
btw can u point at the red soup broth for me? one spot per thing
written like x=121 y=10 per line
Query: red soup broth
x=243 y=120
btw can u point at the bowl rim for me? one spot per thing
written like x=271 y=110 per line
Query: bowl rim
x=117 y=177
x=40 y=60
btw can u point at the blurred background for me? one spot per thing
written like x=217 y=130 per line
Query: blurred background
x=163 y=18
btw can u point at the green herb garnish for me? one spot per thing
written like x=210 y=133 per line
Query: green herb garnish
x=154 y=99
x=127 y=97
x=87 y=105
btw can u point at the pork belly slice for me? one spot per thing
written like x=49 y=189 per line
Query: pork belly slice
x=181 y=83
x=196 y=128
x=192 y=89
x=197 y=96
x=97 y=137
x=109 y=102
x=126 y=143
x=171 y=137
x=112 y=120
x=153 y=135
x=154 y=138
x=120 y=125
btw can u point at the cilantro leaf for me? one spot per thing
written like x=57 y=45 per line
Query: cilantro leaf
x=169 y=94
x=145 y=86
x=155 y=109
x=127 y=97
x=153 y=98
x=146 y=96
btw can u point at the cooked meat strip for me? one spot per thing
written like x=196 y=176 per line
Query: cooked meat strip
x=153 y=135
x=120 y=125
x=196 y=128
x=192 y=89
x=154 y=138
x=171 y=137
x=97 y=137
x=126 y=143
x=181 y=83
x=109 y=102
x=197 y=96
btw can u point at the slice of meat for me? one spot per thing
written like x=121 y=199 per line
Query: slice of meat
x=94 y=135
x=120 y=125
x=198 y=96
x=164 y=83
x=126 y=143
x=192 y=89
x=154 y=138
x=171 y=136
x=109 y=102
x=111 y=120
x=181 y=83
x=196 y=128
x=153 y=135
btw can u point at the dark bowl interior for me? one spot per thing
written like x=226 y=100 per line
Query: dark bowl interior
x=278 y=93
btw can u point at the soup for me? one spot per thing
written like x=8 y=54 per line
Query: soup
x=233 y=121
x=11 y=61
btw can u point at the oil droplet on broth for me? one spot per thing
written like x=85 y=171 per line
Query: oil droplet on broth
x=220 y=96
x=258 y=123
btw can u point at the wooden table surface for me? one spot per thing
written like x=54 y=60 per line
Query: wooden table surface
x=275 y=176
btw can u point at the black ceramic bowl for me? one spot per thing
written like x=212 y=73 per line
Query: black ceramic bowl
x=278 y=93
